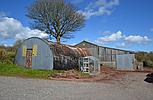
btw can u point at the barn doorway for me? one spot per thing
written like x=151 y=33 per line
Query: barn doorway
x=125 y=62
x=29 y=58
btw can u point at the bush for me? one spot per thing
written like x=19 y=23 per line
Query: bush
x=146 y=58
x=2 y=55
x=10 y=57
x=6 y=57
x=148 y=63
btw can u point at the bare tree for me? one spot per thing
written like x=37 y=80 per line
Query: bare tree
x=56 y=17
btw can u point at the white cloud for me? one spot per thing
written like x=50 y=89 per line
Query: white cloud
x=11 y=28
x=137 y=39
x=99 y=7
x=113 y=37
x=121 y=40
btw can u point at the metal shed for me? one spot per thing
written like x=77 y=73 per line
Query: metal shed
x=34 y=53
x=37 y=53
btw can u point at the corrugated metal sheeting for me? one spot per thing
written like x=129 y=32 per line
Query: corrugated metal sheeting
x=40 y=54
x=34 y=53
x=110 y=57
x=125 y=62
x=66 y=57
x=100 y=52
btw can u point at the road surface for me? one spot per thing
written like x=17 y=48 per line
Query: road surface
x=130 y=87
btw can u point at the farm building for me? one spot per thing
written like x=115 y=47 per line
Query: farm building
x=37 y=53
x=111 y=57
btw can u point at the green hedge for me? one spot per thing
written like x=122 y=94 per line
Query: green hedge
x=146 y=58
x=6 y=57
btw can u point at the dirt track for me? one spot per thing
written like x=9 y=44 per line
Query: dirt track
x=129 y=87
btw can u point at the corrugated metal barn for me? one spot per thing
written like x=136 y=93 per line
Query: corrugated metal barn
x=34 y=53
x=67 y=57
x=40 y=54
x=110 y=57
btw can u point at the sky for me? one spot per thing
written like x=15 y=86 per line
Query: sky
x=123 y=24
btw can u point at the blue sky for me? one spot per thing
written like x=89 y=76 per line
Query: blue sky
x=125 y=24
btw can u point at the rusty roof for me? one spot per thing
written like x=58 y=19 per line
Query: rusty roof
x=67 y=50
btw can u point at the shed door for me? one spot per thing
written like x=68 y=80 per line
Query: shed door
x=125 y=62
x=29 y=58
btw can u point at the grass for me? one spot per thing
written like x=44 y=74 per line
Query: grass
x=19 y=71
x=13 y=70
x=84 y=74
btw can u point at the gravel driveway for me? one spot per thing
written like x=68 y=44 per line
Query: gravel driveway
x=130 y=87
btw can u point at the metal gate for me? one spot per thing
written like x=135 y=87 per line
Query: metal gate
x=29 y=58
x=125 y=62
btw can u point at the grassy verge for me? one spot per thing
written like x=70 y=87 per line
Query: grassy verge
x=13 y=70
x=18 y=71
x=84 y=74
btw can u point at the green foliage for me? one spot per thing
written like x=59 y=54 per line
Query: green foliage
x=148 y=63
x=6 y=56
x=82 y=74
x=146 y=58
x=13 y=70
x=2 y=54
x=18 y=71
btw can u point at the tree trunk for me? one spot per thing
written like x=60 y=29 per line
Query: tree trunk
x=58 y=39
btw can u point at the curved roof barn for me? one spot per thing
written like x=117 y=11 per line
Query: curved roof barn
x=37 y=53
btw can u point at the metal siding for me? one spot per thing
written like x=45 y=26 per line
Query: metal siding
x=102 y=54
x=108 y=55
x=19 y=59
x=94 y=52
x=66 y=57
x=125 y=61
x=44 y=58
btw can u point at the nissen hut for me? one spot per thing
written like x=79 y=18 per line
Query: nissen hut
x=37 y=53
